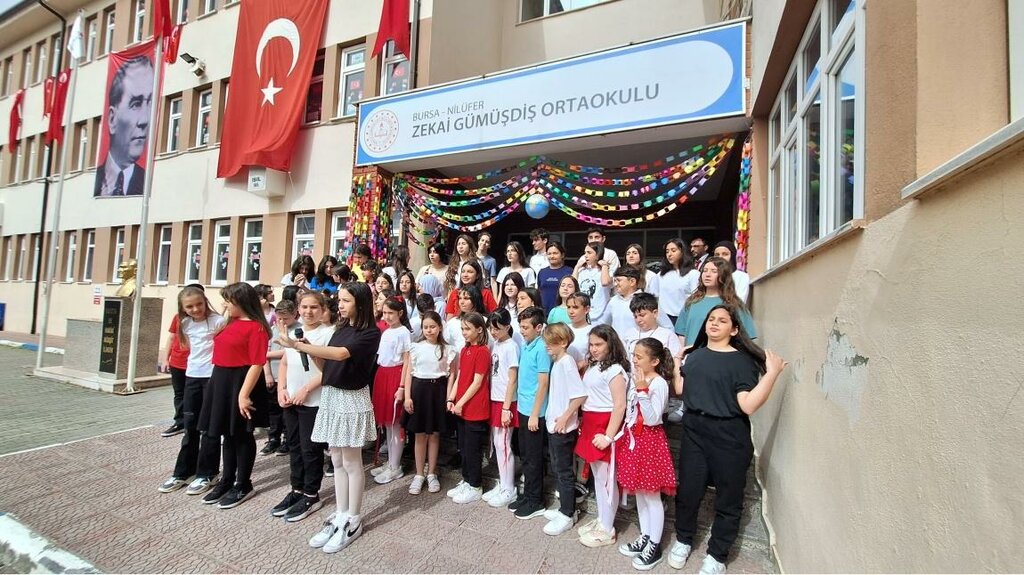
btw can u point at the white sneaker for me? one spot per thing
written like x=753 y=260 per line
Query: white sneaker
x=677 y=554
x=417 y=485
x=677 y=415
x=588 y=526
x=389 y=475
x=433 y=485
x=378 y=470
x=468 y=494
x=457 y=489
x=552 y=514
x=324 y=535
x=488 y=495
x=711 y=566
x=502 y=499
x=344 y=536
x=559 y=524
x=598 y=537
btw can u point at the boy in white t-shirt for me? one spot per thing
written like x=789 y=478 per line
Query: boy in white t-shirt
x=285 y=310
x=617 y=314
x=645 y=312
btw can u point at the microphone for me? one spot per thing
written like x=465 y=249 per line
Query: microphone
x=302 y=355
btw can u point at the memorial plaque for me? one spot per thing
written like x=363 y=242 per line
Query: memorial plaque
x=111 y=330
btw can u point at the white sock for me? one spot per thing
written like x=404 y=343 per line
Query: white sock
x=605 y=492
x=394 y=438
x=502 y=440
x=340 y=484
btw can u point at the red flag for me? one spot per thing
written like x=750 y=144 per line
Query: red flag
x=48 y=95
x=275 y=48
x=15 y=126
x=394 y=25
x=60 y=96
x=161 y=19
x=171 y=45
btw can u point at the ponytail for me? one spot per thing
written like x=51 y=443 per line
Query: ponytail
x=657 y=350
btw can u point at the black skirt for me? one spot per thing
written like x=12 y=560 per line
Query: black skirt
x=429 y=397
x=220 y=415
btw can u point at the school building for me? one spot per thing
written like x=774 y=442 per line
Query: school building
x=865 y=153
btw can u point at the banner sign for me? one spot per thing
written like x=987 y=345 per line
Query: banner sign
x=685 y=78
x=125 y=125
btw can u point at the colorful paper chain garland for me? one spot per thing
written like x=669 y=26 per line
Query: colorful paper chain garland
x=369 y=220
x=742 y=239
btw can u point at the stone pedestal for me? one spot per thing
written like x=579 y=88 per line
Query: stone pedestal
x=96 y=353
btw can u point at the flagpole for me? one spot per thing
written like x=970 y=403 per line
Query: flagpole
x=140 y=255
x=51 y=252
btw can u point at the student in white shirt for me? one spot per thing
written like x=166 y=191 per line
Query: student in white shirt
x=578 y=308
x=596 y=234
x=539 y=259
x=649 y=281
x=516 y=256
x=594 y=275
x=504 y=411
x=645 y=314
x=617 y=313
x=678 y=280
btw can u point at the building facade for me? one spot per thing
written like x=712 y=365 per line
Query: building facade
x=883 y=173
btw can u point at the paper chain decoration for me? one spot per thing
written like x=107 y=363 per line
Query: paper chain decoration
x=369 y=218
x=565 y=186
x=742 y=238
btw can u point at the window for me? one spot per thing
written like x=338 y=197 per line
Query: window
x=203 y=121
x=91 y=37
x=302 y=244
x=9 y=262
x=394 y=76
x=221 y=252
x=18 y=169
x=252 y=247
x=339 y=233
x=353 y=72
x=22 y=256
x=209 y=6
x=92 y=145
x=119 y=255
x=173 y=125
x=7 y=79
x=54 y=50
x=181 y=11
x=36 y=252
x=193 y=253
x=163 y=255
x=26 y=67
x=138 y=20
x=314 y=97
x=90 y=249
x=82 y=137
x=69 y=264
x=109 y=18
x=816 y=160
x=30 y=165
x=41 y=55
x=539 y=8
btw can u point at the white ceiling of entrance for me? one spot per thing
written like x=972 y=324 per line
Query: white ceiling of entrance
x=609 y=150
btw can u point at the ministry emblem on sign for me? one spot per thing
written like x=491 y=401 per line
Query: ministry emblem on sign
x=380 y=130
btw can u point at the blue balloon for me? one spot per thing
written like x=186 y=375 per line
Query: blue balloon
x=537 y=206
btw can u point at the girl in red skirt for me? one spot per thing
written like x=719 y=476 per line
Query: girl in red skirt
x=388 y=395
x=644 y=463
x=605 y=380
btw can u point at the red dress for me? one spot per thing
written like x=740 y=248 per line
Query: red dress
x=643 y=462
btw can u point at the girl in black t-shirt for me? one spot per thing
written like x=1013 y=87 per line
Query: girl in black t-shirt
x=726 y=378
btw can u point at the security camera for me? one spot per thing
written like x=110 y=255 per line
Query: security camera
x=198 y=68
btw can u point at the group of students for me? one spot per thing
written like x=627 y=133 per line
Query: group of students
x=557 y=370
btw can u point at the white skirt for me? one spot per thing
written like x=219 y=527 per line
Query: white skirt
x=345 y=418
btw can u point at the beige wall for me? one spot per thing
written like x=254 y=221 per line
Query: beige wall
x=893 y=441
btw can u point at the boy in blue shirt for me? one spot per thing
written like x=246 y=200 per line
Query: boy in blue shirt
x=532 y=390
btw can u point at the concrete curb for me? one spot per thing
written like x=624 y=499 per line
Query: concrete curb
x=25 y=551
x=30 y=346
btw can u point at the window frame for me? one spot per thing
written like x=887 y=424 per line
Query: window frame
x=203 y=113
x=90 y=254
x=392 y=57
x=316 y=82
x=9 y=262
x=26 y=67
x=92 y=37
x=247 y=242
x=297 y=237
x=547 y=10
x=789 y=189
x=72 y=251
x=193 y=262
x=350 y=70
x=109 y=23
x=225 y=242
x=37 y=252
x=338 y=236
x=173 y=141
x=120 y=251
x=181 y=11
x=138 y=27
x=161 y=258
x=82 y=151
x=22 y=254
x=42 y=59
x=209 y=7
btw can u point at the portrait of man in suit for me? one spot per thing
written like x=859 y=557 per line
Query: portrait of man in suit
x=130 y=101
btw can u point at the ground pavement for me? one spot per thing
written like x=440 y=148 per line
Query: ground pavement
x=96 y=497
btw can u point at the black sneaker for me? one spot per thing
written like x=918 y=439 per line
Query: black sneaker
x=173 y=430
x=581 y=492
x=529 y=510
x=235 y=497
x=303 y=508
x=283 y=450
x=329 y=471
x=649 y=558
x=636 y=547
x=281 y=508
x=214 y=495
x=519 y=502
x=271 y=446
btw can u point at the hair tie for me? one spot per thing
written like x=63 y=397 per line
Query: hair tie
x=400 y=298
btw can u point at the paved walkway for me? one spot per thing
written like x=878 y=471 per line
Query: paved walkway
x=97 y=498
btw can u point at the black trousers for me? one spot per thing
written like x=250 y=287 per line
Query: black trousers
x=199 y=454
x=239 y=457
x=306 y=458
x=562 y=447
x=473 y=436
x=276 y=414
x=531 y=453
x=718 y=450
x=178 y=383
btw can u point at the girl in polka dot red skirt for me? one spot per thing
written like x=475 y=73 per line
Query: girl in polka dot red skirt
x=644 y=464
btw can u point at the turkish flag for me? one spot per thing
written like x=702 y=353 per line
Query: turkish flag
x=48 y=95
x=60 y=96
x=161 y=18
x=15 y=126
x=394 y=25
x=275 y=49
x=171 y=45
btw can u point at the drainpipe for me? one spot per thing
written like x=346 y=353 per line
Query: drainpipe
x=46 y=180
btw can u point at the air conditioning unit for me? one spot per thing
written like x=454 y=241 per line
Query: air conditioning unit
x=267 y=183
